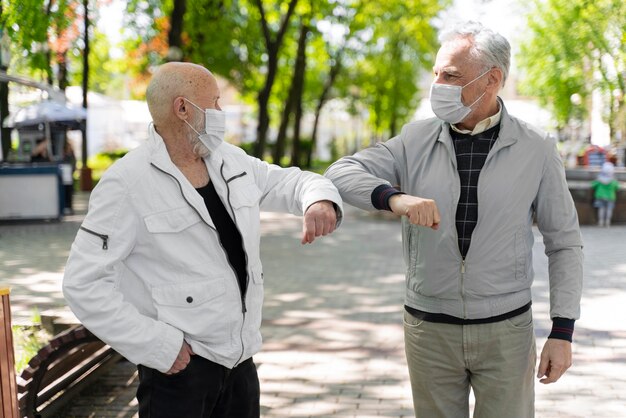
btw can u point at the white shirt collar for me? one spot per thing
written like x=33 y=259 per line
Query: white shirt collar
x=483 y=125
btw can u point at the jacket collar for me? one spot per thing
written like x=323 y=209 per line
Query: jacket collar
x=508 y=134
x=159 y=154
x=160 y=158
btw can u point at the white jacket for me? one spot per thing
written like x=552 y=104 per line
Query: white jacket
x=147 y=268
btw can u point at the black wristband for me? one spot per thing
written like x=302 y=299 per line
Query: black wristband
x=381 y=195
x=562 y=329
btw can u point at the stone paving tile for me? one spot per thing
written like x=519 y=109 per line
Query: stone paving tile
x=333 y=320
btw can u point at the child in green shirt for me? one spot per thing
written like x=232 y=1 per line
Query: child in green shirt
x=605 y=193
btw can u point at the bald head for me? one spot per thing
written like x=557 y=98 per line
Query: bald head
x=178 y=79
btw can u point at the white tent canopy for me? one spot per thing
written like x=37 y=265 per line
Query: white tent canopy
x=46 y=112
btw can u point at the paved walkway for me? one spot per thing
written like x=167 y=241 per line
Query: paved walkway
x=333 y=325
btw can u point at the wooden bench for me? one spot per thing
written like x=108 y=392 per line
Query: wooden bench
x=8 y=390
x=69 y=363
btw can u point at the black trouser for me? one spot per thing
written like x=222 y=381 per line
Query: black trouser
x=203 y=390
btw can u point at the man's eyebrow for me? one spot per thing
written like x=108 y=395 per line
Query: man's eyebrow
x=447 y=70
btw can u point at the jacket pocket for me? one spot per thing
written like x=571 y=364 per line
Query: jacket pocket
x=93 y=237
x=257 y=275
x=172 y=221
x=522 y=255
x=244 y=195
x=412 y=248
x=198 y=309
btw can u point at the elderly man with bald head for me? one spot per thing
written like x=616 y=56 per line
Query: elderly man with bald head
x=166 y=268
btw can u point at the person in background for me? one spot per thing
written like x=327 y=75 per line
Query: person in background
x=68 y=167
x=468 y=184
x=605 y=193
x=40 y=153
x=166 y=266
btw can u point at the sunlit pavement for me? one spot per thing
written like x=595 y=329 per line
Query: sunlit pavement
x=333 y=320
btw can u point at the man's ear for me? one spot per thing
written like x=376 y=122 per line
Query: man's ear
x=181 y=110
x=495 y=79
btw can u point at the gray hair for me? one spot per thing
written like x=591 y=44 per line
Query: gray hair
x=488 y=47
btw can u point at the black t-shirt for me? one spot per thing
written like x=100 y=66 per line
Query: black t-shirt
x=230 y=237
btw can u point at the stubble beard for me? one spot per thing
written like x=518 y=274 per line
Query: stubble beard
x=197 y=147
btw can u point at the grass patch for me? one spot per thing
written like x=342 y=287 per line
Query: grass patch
x=28 y=340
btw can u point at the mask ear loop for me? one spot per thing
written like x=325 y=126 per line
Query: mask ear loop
x=477 y=77
x=193 y=104
x=192 y=128
x=197 y=107
x=481 y=96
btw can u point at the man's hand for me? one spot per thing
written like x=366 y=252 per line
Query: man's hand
x=556 y=358
x=182 y=360
x=320 y=219
x=420 y=211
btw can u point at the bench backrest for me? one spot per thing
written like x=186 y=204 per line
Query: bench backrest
x=71 y=361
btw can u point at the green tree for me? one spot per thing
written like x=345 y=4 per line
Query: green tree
x=576 y=47
x=396 y=56
x=42 y=33
x=278 y=54
x=358 y=33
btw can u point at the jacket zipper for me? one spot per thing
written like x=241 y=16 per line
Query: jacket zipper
x=233 y=177
x=463 y=288
x=462 y=267
x=245 y=291
x=103 y=237
x=243 y=296
x=193 y=207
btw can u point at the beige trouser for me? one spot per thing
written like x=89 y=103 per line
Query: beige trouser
x=496 y=360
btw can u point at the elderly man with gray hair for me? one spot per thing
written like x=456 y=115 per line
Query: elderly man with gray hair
x=468 y=185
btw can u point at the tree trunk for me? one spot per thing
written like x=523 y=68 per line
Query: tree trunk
x=273 y=47
x=298 y=86
x=263 y=100
x=174 y=37
x=281 y=138
x=330 y=81
x=394 y=92
x=309 y=156
x=86 y=182
x=62 y=76
x=294 y=99
x=5 y=133
x=49 y=77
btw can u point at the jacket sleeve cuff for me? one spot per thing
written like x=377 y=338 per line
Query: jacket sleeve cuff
x=164 y=355
x=562 y=329
x=381 y=195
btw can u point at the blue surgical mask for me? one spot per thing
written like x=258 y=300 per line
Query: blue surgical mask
x=445 y=100
x=214 y=126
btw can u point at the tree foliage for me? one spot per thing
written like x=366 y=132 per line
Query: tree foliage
x=575 y=47
x=285 y=56
x=46 y=42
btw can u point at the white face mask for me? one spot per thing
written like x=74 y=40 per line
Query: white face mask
x=445 y=100
x=214 y=126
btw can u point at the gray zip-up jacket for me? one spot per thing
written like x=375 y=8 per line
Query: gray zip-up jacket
x=522 y=179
